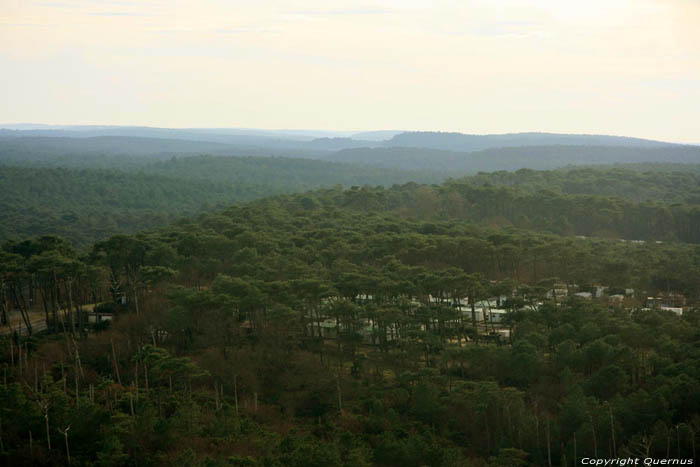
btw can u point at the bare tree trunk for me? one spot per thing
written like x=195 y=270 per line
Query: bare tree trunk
x=476 y=329
x=566 y=462
x=55 y=300
x=612 y=431
x=537 y=431
x=549 y=447
x=19 y=299
x=65 y=435
x=77 y=390
x=692 y=440
x=595 y=442
x=77 y=358
x=3 y=304
x=340 y=397
x=116 y=363
x=136 y=295
x=63 y=375
x=71 y=321
x=235 y=392
x=48 y=433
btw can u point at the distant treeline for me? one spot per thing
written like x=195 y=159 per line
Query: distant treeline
x=88 y=204
x=84 y=205
x=545 y=210
x=408 y=151
x=87 y=188
x=679 y=186
x=513 y=158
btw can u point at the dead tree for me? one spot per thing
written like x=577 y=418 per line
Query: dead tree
x=65 y=435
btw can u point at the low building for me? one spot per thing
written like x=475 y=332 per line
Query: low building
x=676 y=310
x=497 y=315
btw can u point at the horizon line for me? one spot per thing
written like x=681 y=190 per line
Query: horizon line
x=58 y=126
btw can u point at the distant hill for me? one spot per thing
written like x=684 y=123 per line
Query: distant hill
x=377 y=135
x=533 y=157
x=45 y=150
x=124 y=152
x=301 y=135
x=461 y=142
x=336 y=144
x=106 y=144
x=245 y=140
x=312 y=141
x=285 y=140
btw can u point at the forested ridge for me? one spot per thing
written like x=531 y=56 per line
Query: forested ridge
x=327 y=328
x=539 y=210
x=468 y=142
x=292 y=174
x=645 y=183
x=85 y=205
x=492 y=153
x=306 y=142
x=92 y=151
x=512 y=158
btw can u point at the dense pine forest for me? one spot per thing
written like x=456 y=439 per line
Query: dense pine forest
x=415 y=325
x=125 y=194
x=85 y=189
x=166 y=307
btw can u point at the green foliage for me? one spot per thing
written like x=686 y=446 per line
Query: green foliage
x=673 y=186
x=88 y=204
x=339 y=328
x=454 y=160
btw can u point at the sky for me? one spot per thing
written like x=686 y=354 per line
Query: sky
x=622 y=67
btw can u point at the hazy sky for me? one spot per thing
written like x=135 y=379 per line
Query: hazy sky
x=628 y=67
